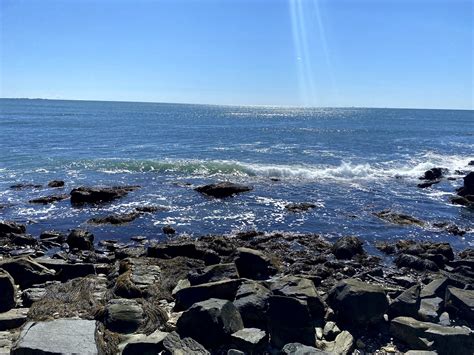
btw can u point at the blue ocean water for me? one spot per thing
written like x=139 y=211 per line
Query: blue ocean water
x=350 y=162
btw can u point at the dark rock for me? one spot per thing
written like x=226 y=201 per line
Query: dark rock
x=358 y=303
x=66 y=271
x=436 y=288
x=343 y=344
x=459 y=200
x=460 y=302
x=430 y=309
x=210 y=322
x=168 y=230
x=300 y=207
x=80 y=239
x=300 y=349
x=347 y=247
x=250 y=340
x=115 y=219
x=190 y=250
x=11 y=227
x=32 y=295
x=214 y=273
x=26 y=272
x=398 y=218
x=14 y=318
x=386 y=248
x=302 y=289
x=61 y=336
x=429 y=336
x=99 y=194
x=223 y=189
x=56 y=183
x=144 y=344
x=468 y=188
x=49 y=199
x=434 y=174
x=174 y=344
x=123 y=315
x=406 y=304
x=251 y=301
x=54 y=236
x=415 y=262
x=8 y=291
x=25 y=186
x=424 y=185
x=22 y=239
x=150 y=209
x=188 y=296
x=253 y=264
x=290 y=321
x=471 y=163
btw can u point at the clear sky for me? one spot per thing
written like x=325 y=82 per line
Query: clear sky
x=371 y=53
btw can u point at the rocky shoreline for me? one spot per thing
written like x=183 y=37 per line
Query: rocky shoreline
x=247 y=293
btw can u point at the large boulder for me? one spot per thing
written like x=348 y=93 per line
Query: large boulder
x=223 y=189
x=211 y=322
x=415 y=262
x=289 y=322
x=347 y=247
x=123 y=315
x=56 y=183
x=468 y=188
x=7 y=227
x=434 y=174
x=460 y=302
x=26 y=272
x=407 y=303
x=251 y=301
x=358 y=303
x=212 y=273
x=80 y=239
x=188 y=296
x=8 y=291
x=302 y=289
x=429 y=336
x=189 y=250
x=253 y=264
x=99 y=194
x=61 y=336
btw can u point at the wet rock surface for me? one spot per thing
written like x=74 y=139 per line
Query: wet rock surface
x=95 y=195
x=223 y=189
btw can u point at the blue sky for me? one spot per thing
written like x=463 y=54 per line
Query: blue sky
x=370 y=53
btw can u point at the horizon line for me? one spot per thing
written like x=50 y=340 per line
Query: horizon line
x=237 y=105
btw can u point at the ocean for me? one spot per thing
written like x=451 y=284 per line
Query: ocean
x=349 y=162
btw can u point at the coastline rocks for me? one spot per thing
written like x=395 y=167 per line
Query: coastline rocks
x=83 y=194
x=49 y=199
x=80 y=239
x=434 y=174
x=254 y=264
x=251 y=301
x=300 y=207
x=7 y=227
x=250 y=340
x=399 y=218
x=210 y=322
x=460 y=302
x=213 y=273
x=223 y=189
x=186 y=249
x=415 y=262
x=343 y=344
x=358 y=303
x=347 y=247
x=424 y=185
x=407 y=303
x=14 y=318
x=56 y=183
x=168 y=230
x=7 y=291
x=23 y=186
x=290 y=321
x=61 y=336
x=300 y=349
x=26 y=272
x=123 y=315
x=115 y=219
x=468 y=188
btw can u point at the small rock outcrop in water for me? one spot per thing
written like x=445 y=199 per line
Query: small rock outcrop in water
x=398 y=218
x=168 y=230
x=115 y=219
x=434 y=174
x=99 y=194
x=56 y=183
x=347 y=247
x=223 y=189
x=80 y=239
x=300 y=207
x=468 y=188
x=49 y=199
x=11 y=227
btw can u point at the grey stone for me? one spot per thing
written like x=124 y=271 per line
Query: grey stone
x=435 y=288
x=14 y=318
x=31 y=295
x=210 y=322
x=80 y=239
x=253 y=264
x=249 y=339
x=66 y=271
x=460 y=302
x=347 y=247
x=330 y=331
x=62 y=336
x=343 y=344
x=123 y=315
x=251 y=301
x=301 y=349
x=430 y=309
x=406 y=304
x=7 y=291
x=214 y=273
x=26 y=272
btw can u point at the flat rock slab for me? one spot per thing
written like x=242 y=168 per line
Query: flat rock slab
x=14 y=318
x=62 y=336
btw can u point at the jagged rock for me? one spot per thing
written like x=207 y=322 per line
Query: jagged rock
x=56 y=183
x=31 y=295
x=347 y=247
x=150 y=209
x=459 y=200
x=99 y=194
x=415 y=262
x=80 y=239
x=168 y=230
x=123 y=315
x=289 y=321
x=210 y=322
x=62 y=336
x=407 y=303
x=461 y=302
x=251 y=301
x=26 y=272
x=330 y=331
x=188 y=296
x=11 y=227
x=430 y=309
x=212 y=273
x=302 y=289
x=468 y=188
x=115 y=219
x=7 y=291
x=223 y=189
x=343 y=344
x=300 y=349
x=250 y=340
x=430 y=336
x=49 y=199
x=435 y=288
x=300 y=207
x=53 y=235
x=66 y=271
x=253 y=264
x=14 y=318
x=398 y=218
x=358 y=303
x=434 y=174
x=174 y=344
x=189 y=250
